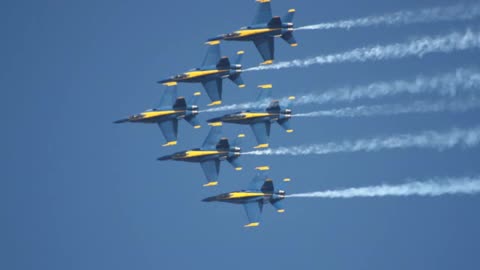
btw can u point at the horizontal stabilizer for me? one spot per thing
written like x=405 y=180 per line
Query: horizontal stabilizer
x=237 y=79
x=290 y=39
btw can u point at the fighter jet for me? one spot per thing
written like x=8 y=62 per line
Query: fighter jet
x=213 y=70
x=260 y=191
x=213 y=151
x=263 y=29
x=167 y=115
x=261 y=120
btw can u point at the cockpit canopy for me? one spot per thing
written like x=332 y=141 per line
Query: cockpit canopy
x=180 y=76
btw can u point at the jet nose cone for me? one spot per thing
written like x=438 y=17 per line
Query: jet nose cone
x=121 y=121
x=165 y=157
x=209 y=199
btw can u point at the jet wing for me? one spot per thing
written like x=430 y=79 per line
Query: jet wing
x=262 y=132
x=254 y=211
x=169 y=129
x=211 y=168
x=168 y=98
x=265 y=47
x=214 y=89
x=263 y=13
x=213 y=55
x=212 y=138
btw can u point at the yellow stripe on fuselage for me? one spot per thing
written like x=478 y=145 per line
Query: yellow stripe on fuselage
x=200 y=153
x=239 y=195
x=154 y=114
x=252 y=32
x=248 y=115
x=201 y=73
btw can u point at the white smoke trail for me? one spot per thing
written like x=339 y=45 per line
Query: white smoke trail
x=447 y=84
x=395 y=109
x=433 y=187
x=428 y=139
x=459 y=12
x=447 y=43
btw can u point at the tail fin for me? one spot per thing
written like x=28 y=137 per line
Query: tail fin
x=240 y=54
x=194 y=99
x=288 y=18
x=191 y=114
x=275 y=22
x=180 y=104
x=274 y=107
x=223 y=144
x=223 y=63
x=236 y=146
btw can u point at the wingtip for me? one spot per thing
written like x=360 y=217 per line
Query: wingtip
x=289 y=130
x=262 y=168
x=215 y=124
x=267 y=62
x=291 y=10
x=281 y=211
x=197 y=126
x=265 y=86
x=241 y=85
x=294 y=44
x=287 y=179
x=213 y=42
x=215 y=103
x=241 y=135
x=170 y=143
x=240 y=52
x=197 y=94
x=170 y=83
x=263 y=145
x=238 y=168
x=211 y=184
x=252 y=224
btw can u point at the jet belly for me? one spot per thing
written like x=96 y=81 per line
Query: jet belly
x=200 y=155
x=199 y=76
x=238 y=197
x=155 y=116
x=251 y=34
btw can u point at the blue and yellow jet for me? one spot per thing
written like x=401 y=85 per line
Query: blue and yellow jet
x=214 y=150
x=260 y=191
x=214 y=69
x=260 y=120
x=167 y=115
x=263 y=30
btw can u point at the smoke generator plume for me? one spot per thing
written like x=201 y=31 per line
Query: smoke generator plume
x=458 y=12
x=446 y=84
x=428 y=139
x=432 y=187
x=454 y=41
x=396 y=109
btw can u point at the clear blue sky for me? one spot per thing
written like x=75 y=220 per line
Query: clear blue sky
x=78 y=192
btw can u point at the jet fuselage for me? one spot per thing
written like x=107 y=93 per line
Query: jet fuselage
x=199 y=155
x=246 y=196
x=247 y=118
x=203 y=74
x=250 y=33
